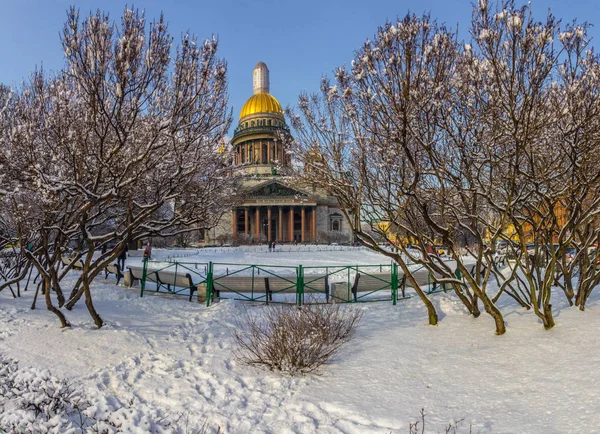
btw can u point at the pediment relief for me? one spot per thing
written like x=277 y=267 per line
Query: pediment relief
x=275 y=189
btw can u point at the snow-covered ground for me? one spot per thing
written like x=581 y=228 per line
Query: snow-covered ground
x=177 y=356
x=286 y=255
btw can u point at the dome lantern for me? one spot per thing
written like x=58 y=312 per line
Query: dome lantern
x=260 y=78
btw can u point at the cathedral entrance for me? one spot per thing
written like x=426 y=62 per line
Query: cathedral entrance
x=279 y=223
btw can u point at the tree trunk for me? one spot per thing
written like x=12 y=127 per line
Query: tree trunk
x=476 y=312
x=74 y=298
x=90 y=305
x=28 y=278
x=56 y=286
x=461 y=296
x=431 y=313
x=548 y=319
x=50 y=306
x=495 y=313
x=37 y=291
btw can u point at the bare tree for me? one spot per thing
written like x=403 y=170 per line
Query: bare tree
x=122 y=144
x=454 y=143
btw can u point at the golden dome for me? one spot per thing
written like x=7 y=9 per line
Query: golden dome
x=261 y=103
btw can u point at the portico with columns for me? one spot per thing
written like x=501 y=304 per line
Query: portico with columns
x=281 y=222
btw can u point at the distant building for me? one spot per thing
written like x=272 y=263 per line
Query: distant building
x=274 y=207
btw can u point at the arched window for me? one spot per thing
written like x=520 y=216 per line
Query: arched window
x=251 y=123
x=269 y=122
x=243 y=155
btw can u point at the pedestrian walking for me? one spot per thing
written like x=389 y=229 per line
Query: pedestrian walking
x=148 y=251
x=122 y=257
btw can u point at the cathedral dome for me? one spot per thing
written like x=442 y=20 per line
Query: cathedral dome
x=261 y=103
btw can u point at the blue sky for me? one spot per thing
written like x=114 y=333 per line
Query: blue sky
x=299 y=40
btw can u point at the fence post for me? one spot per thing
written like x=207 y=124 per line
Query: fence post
x=252 y=288
x=175 y=281
x=209 y=284
x=394 y=283
x=299 y=286
x=348 y=285
x=144 y=271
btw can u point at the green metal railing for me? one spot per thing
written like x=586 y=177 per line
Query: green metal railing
x=289 y=284
x=248 y=284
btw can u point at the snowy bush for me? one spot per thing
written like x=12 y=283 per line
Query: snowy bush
x=34 y=401
x=294 y=340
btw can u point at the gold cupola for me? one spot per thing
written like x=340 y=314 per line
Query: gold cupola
x=262 y=101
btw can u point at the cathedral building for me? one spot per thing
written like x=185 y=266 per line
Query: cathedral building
x=274 y=207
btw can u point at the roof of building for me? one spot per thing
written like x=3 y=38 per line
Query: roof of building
x=261 y=103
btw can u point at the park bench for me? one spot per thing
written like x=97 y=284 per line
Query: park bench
x=174 y=280
x=164 y=279
x=135 y=274
x=135 y=253
x=421 y=276
x=113 y=269
x=67 y=260
x=240 y=284
x=474 y=268
x=367 y=283
x=317 y=284
x=268 y=285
